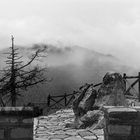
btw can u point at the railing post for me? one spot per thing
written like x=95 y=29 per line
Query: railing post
x=139 y=86
x=65 y=98
x=48 y=100
x=124 y=77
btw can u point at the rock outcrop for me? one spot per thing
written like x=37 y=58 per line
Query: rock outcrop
x=83 y=102
x=111 y=93
x=112 y=90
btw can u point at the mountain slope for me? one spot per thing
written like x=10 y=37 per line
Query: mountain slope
x=69 y=68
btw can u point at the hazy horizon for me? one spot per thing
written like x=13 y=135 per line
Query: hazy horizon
x=107 y=26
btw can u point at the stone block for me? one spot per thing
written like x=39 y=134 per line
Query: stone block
x=136 y=130
x=1 y=133
x=119 y=115
x=22 y=133
x=8 y=120
x=28 y=121
x=13 y=120
x=119 y=130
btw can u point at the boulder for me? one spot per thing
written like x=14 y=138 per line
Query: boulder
x=91 y=118
x=84 y=100
x=111 y=92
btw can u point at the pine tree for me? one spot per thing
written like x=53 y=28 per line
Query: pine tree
x=18 y=76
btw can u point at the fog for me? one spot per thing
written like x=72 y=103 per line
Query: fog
x=107 y=26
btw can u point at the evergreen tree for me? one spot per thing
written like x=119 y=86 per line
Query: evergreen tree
x=19 y=75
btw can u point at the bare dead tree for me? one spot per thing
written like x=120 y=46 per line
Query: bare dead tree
x=18 y=76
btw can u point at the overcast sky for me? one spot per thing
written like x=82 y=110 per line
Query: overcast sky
x=108 y=26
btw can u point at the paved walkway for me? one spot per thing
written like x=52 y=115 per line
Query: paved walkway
x=52 y=127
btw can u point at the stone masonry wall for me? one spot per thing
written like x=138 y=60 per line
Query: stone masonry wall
x=16 y=123
x=121 y=123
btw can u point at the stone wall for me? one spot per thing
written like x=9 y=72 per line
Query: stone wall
x=16 y=123
x=121 y=123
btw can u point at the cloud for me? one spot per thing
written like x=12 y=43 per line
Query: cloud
x=110 y=26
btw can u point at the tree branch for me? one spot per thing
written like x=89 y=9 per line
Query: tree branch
x=30 y=84
x=33 y=58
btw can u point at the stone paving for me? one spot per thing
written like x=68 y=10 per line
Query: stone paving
x=52 y=127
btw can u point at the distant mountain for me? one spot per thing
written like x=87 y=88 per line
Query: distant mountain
x=69 y=68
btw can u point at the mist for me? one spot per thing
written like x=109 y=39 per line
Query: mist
x=109 y=27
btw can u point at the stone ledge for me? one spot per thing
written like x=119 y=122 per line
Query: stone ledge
x=121 y=114
x=121 y=123
x=113 y=109
x=27 y=112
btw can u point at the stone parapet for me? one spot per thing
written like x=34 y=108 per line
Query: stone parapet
x=16 y=123
x=121 y=123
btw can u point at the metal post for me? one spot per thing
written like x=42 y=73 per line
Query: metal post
x=48 y=100
x=124 y=77
x=139 y=86
x=65 y=97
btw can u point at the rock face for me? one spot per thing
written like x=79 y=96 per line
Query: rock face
x=111 y=93
x=83 y=102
